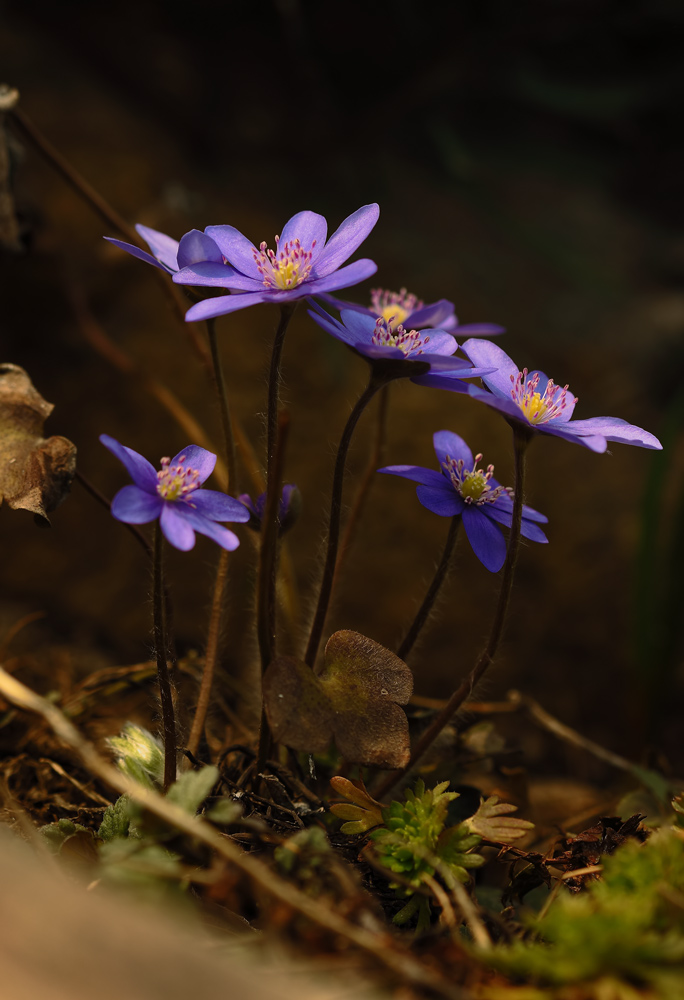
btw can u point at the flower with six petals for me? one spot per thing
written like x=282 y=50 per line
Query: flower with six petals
x=460 y=487
x=174 y=495
x=303 y=263
x=532 y=399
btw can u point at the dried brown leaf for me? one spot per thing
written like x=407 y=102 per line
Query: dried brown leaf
x=35 y=472
x=355 y=699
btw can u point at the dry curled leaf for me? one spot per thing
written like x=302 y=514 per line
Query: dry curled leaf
x=355 y=699
x=492 y=822
x=35 y=472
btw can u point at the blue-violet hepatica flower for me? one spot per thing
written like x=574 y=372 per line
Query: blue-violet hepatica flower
x=406 y=309
x=460 y=487
x=303 y=263
x=289 y=507
x=532 y=399
x=174 y=495
x=379 y=340
x=169 y=255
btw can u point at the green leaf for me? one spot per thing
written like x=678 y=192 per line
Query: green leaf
x=116 y=820
x=192 y=788
x=224 y=812
x=362 y=812
x=491 y=822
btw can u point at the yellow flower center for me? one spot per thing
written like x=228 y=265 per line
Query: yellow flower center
x=285 y=267
x=175 y=482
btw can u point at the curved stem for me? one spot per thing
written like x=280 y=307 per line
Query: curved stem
x=521 y=438
x=211 y=654
x=368 y=479
x=286 y=312
x=433 y=591
x=268 y=569
x=160 y=645
x=226 y=423
x=375 y=382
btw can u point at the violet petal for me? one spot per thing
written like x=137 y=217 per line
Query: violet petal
x=346 y=240
x=196 y=458
x=485 y=538
x=135 y=506
x=176 y=527
x=139 y=469
x=218 y=506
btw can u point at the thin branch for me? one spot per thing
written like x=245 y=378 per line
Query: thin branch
x=380 y=946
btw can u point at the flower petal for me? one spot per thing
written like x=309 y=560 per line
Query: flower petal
x=448 y=443
x=480 y=330
x=307 y=227
x=139 y=469
x=482 y=353
x=352 y=274
x=223 y=536
x=442 y=500
x=450 y=379
x=137 y=252
x=433 y=315
x=486 y=539
x=220 y=305
x=528 y=529
x=615 y=429
x=176 y=527
x=135 y=506
x=346 y=240
x=197 y=458
x=236 y=248
x=428 y=477
x=218 y=506
x=213 y=274
x=439 y=342
x=162 y=246
x=196 y=246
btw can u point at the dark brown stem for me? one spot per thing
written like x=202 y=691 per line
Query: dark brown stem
x=286 y=313
x=375 y=383
x=102 y=208
x=368 y=479
x=226 y=423
x=433 y=591
x=211 y=655
x=521 y=438
x=268 y=569
x=161 y=652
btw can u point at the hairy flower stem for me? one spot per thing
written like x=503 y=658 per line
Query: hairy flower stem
x=368 y=479
x=521 y=439
x=161 y=652
x=286 y=312
x=433 y=590
x=268 y=569
x=211 y=654
x=226 y=423
x=214 y=631
x=375 y=383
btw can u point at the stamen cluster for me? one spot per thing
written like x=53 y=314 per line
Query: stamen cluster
x=284 y=268
x=408 y=341
x=538 y=407
x=473 y=484
x=394 y=306
x=177 y=481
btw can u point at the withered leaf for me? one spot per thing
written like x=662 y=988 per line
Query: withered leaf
x=492 y=822
x=35 y=472
x=355 y=699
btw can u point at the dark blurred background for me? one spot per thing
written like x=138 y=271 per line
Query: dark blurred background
x=528 y=161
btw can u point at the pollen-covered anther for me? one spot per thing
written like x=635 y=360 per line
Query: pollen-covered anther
x=394 y=307
x=539 y=407
x=472 y=484
x=286 y=267
x=176 y=481
x=387 y=335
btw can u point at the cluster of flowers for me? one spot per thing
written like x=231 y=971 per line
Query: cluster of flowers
x=396 y=327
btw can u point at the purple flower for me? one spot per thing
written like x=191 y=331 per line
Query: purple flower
x=406 y=309
x=289 y=508
x=460 y=487
x=169 y=255
x=378 y=340
x=532 y=399
x=302 y=264
x=174 y=496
